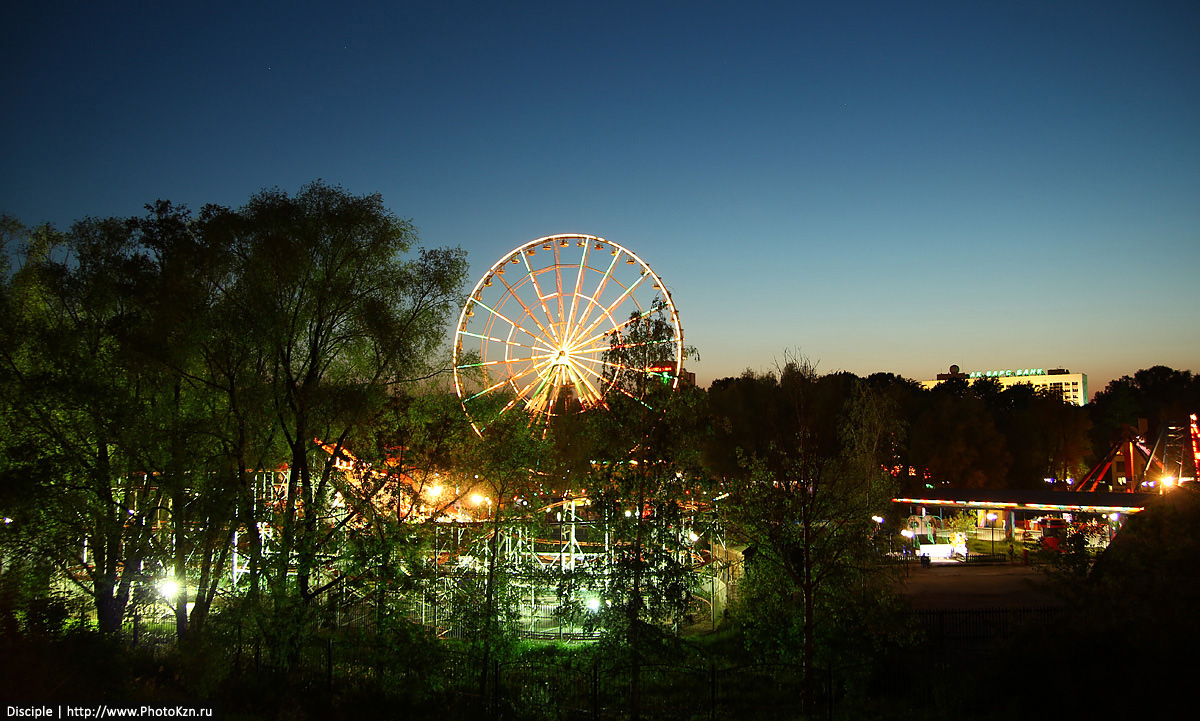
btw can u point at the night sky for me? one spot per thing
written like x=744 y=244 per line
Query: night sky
x=892 y=186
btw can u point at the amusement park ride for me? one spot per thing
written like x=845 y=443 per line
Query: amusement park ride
x=540 y=328
x=1174 y=458
x=557 y=326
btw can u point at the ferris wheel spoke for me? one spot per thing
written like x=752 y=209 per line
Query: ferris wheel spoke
x=479 y=365
x=528 y=311
x=632 y=396
x=505 y=318
x=642 y=344
x=505 y=341
x=541 y=350
x=592 y=302
x=612 y=381
x=542 y=375
x=485 y=391
x=595 y=340
x=558 y=281
x=539 y=399
x=508 y=380
x=587 y=389
x=513 y=403
x=579 y=275
x=607 y=313
x=598 y=349
x=537 y=288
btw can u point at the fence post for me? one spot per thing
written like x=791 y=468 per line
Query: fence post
x=329 y=662
x=595 y=690
x=496 y=688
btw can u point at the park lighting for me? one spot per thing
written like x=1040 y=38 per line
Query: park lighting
x=593 y=604
x=477 y=499
x=168 y=588
x=877 y=519
x=909 y=538
x=693 y=537
x=435 y=491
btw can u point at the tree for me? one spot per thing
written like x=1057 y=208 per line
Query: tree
x=1129 y=613
x=79 y=411
x=811 y=449
x=178 y=296
x=142 y=353
x=954 y=436
x=644 y=463
x=340 y=319
x=502 y=467
x=1158 y=394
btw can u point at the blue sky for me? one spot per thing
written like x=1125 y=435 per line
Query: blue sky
x=881 y=186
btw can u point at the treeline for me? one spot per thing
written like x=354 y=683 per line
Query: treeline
x=980 y=435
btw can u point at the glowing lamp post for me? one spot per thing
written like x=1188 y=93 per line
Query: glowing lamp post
x=169 y=589
x=908 y=535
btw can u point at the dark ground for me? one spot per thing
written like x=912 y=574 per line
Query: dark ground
x=955 y=585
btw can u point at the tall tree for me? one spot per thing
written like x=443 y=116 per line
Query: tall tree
x=343 y=316
x=82 y=409
x=1157 y=395
x=645 y=460
x=812 y=452
x=200 y=472
x=954 y=436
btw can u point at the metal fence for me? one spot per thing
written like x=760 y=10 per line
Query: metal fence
x=356 y=651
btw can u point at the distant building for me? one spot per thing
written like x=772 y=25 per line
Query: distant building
x=1071 y=386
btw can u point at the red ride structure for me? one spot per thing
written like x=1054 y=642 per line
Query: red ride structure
x=1173 y=459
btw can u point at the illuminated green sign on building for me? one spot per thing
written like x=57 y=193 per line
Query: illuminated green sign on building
x=1008 y=373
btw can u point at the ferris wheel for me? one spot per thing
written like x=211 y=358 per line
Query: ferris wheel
x=560 y=324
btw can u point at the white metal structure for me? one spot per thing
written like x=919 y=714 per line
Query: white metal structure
x=541 y=326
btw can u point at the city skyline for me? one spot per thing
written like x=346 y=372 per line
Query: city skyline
x=875 y=186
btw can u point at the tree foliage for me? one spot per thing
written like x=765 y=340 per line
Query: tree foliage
x=1155 y=395
x=155 y=366
x=811 y=452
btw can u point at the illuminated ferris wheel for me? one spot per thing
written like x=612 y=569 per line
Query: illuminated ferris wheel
x=558 y=325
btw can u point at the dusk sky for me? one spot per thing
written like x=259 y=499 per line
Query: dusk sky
x=880 y=186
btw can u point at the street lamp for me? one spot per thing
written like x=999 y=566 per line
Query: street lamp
x=908 y=537
x=169 y=589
